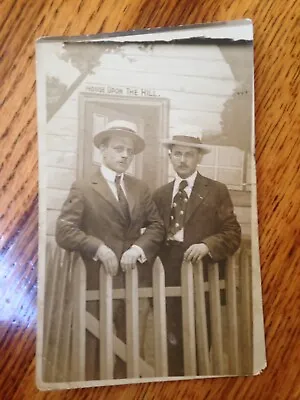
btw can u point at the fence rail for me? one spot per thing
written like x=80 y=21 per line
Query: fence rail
x=216 y=340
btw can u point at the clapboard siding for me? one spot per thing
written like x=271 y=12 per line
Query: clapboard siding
x=194 y=52
x=217 y=69
x=230 y=157
x=208 y=171
x=60 y=178
x=198 y=101
x=70 y=108
x=57 y=67
x=61 y=143
x=203 y=120
x=246 y=230
x=62 y=159
x=150 y=80
x=61 y=125
x=56 y=198
x=188 y=128
x=243 y=214
x=197 y=83
x=180 y=100
x=230 y=176
x=210 y=158
x=51 y=221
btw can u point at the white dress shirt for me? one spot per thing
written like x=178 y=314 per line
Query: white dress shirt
x=110 y=176
x=188 y=189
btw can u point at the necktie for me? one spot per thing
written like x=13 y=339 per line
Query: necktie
x=122 y=199
x=178 y=208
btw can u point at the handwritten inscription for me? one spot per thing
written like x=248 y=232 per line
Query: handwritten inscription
x=122 y=91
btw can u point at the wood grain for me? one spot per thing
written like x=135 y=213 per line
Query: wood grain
x=277 y=155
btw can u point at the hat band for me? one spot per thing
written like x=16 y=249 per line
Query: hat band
x=121 y=129
x=187 y=139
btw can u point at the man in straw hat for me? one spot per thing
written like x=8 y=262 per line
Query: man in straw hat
x=200 y=224
x=102 y=219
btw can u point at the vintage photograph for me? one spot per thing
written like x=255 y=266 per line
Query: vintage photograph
x=148 y=258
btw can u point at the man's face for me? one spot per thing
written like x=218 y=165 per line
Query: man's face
x=184 y=160
x=118 y=153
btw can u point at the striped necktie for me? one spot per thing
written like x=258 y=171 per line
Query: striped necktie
x=122 y=199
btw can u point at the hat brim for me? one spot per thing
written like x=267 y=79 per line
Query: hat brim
x=138 y=142
x=169 y=143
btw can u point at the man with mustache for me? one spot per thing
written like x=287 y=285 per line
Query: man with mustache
x=200 y=224
x=102 y=219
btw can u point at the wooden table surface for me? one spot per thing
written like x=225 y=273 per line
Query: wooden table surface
x=277 y=155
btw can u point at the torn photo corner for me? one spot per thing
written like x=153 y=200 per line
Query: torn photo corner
x=236 y=30
x=149 y=263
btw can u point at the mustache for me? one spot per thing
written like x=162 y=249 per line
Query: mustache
x=182 y=165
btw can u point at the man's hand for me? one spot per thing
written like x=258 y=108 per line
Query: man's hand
x=130 y=258
x=196 y=252
x=108 y=259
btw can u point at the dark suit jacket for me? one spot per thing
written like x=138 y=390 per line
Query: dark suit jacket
x=209 y=216
x=91 y=215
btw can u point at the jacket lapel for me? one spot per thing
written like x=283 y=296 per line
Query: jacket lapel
x=101 y=186
x=131 y=192
x=167 y=203
x=199 y=192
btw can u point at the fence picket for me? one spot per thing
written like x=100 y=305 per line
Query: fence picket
x=79 y=321
x=51 y=297
x=232 y=317
x=246 y=312
x=64 y=355
x=188 y=319
x=132 y=323
x=106 y=326
x=215 y=319
x=160 y=324
x=60 y=295
x=50 y=282
x=66 y=319
x=92 y=325
x=204 y=367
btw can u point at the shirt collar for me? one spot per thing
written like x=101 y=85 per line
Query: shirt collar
x=190 y=180
x=109 y=174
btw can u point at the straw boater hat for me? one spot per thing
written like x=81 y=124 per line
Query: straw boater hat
x=184 y=140
x=121 y=128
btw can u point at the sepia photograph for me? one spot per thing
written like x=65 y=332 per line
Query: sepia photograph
x=148 y=241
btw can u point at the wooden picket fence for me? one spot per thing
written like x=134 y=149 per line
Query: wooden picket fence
x=66 y=319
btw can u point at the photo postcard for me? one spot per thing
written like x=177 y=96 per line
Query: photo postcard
x=148 y=235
